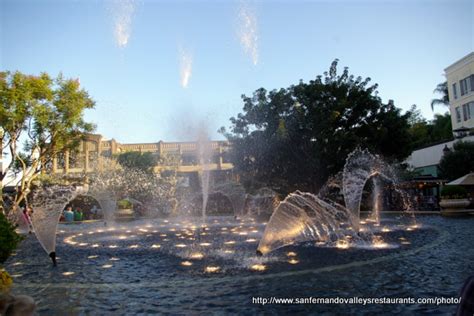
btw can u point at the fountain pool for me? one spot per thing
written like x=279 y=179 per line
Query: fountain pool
x=176 y=267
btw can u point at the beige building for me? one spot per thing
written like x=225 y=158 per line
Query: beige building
x=460 y=78
x=94 y=152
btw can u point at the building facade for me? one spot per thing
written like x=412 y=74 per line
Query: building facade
x=94 y=152
x=426 y=160
x=460 y=79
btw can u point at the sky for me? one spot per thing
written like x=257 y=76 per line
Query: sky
x=160 y=70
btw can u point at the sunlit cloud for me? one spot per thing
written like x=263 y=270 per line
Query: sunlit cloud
x=185 y=66
x=248 y=31
x=122 y=12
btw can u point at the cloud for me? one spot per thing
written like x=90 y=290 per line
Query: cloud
x=122 y=12
x=186 y=66
x=248 y=31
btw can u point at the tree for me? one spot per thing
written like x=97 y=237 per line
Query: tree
x=9 y=239
x=457 y=162
x=424 y=133
x=137 y=160
x=442 y=89
x=47 y=115
x=295 y=138
x=442 y=127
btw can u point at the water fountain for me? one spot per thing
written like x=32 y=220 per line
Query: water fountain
x=108 y=205
x=205 y=157
x=47 y=204
x=262 y=204
x=236 y=195
x=361 y=165
x=377 y=197
x=302 y=217
x=305 y=217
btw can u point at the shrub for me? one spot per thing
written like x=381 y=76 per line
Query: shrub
x=124 y=204
x=6 y=281
x=9 y=239
x=458 y=162
x=453 y=192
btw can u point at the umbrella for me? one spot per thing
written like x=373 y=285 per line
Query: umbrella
x=467 y=179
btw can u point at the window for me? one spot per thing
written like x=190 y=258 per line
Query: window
x=465 y=85
x=455 y=91
x=458 y=114
x=472 y=83
x=465 y=112
x=471 y=108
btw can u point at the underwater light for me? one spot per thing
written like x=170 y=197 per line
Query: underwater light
x=196 y=255
x=377 y=242
x=342 y=244
x=258 y=267
x=212 y=269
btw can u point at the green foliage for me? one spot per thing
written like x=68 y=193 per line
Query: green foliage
x=294 y=138
x=424 y=133
x=453 y=192
x=18 y=162
x=47 y=114
x=458 y=162
x=9 y=239
x=137 y=160
x=442 y=127
x=442 y=89
x=124 y=204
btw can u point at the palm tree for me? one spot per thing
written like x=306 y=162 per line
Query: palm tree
x=441 y=88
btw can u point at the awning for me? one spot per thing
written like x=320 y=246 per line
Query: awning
x=467 y=179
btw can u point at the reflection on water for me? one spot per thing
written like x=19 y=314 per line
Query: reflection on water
x=149 y=275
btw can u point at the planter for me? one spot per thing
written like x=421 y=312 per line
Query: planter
x=454 y=203
x=455 y=207
x=126 y=213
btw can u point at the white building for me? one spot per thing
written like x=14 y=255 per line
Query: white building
x=460 y=79
x=426 y=160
